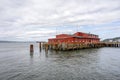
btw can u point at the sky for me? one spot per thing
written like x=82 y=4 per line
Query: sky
x=38 y=20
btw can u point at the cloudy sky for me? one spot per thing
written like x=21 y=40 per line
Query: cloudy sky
x=38 y=20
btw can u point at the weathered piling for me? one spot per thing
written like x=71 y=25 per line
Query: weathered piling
x=112 y=44
x=46 y=47
x=77 y=46
x=31 y=48
x=40 y=46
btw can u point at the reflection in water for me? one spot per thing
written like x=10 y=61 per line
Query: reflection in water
x=40 y=49
x=31 y=54
x=85 y=64
x=46 y=54
x=75 y=53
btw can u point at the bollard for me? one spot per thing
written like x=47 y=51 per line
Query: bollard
x=31 y=48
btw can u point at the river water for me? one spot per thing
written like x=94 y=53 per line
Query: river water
x=16 y=63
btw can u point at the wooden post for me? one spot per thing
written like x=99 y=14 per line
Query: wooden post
x=31 y=48
x=46 y=47
x=40 y=46
x=117 y=45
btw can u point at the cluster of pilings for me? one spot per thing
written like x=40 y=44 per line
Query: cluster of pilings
x=76 y=46
x=32 y=47
x=43 y=45
x=73 y=46
x=112 y=44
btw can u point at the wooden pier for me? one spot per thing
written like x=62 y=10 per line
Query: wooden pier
x=77 y=46
x=112 y=44
x=76 y=41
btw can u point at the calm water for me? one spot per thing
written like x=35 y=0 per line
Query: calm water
x=16 y=63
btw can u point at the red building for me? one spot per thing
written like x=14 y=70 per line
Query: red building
x=78 y=37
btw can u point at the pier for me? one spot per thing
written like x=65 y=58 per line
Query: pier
x=76 y=41
x=76 y=46
x=112 y=44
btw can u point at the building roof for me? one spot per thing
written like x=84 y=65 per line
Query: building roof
x=74 y=36
x=80 y=37
x=85 y=33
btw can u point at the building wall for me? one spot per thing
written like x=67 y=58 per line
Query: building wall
x=73 y=40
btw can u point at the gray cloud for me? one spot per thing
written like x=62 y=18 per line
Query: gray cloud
x=23 y=18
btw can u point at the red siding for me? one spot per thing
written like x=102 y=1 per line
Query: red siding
x=78 y=37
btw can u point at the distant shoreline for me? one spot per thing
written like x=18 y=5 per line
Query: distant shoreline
x=16 y=42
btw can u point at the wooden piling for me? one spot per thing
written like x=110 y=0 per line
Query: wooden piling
x=40 y=46
x=46 y=47
x=31 y=48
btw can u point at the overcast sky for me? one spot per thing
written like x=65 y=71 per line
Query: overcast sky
x=38 y=20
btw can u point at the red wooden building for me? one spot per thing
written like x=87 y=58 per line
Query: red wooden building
x=78 y=37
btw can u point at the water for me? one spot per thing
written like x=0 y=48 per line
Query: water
x=16 y=63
